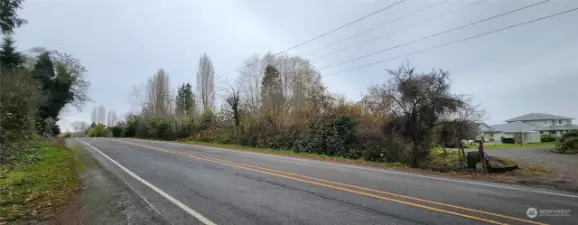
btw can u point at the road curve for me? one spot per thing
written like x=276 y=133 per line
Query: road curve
x=203 y=185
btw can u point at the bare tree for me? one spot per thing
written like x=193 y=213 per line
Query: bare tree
x=113 y=117
x=206 y=83
x=94 y=115
x=249 y=83
x=158 y=93
x=462 y=124
x=101 y=115
x=79 y=126
x=418 y=101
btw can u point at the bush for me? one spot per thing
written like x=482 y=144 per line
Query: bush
x=547 y=138
x=331 y=136
x=98 y=131
x=568 y=142
x=508 y=140
x=19 y=98
x=117 y=131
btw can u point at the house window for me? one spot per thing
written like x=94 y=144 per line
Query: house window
x=541 y=132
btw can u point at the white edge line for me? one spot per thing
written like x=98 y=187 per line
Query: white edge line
x=190 y=211
x=372 y=169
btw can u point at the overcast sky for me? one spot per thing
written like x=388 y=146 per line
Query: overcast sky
x=532 y=68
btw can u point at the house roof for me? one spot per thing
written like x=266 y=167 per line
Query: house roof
x=538 y=116
x=513 y=127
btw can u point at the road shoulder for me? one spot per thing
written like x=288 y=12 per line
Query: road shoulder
x=103 y=198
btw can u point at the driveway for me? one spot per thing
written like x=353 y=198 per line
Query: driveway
x=564 y=166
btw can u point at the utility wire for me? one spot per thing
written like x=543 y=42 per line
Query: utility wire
x=457 y=41
x=376 y=27
x=413 y=25
x=436 y=34
x=331 y=31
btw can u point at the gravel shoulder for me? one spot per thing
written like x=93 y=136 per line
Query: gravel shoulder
x=103 y=198
x=563 y=172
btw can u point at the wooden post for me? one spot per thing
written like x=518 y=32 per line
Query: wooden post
x=483 y=155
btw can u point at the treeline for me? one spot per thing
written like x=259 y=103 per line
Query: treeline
x=34 y=88
x=280 y=102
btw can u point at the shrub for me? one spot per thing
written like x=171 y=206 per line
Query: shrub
x=547 y=138
x=98 y=131
x=568 y=142
x=117 y=130
x=19 y=99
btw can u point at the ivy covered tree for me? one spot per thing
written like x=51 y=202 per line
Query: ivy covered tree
x=271 y=89
x=56 y=81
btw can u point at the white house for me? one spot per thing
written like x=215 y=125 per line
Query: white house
x=531 y=126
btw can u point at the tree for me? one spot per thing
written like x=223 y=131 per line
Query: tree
x=234 y=102
x=9 y=19
x=271 y=90
x=206 y=83
x=94 y=115
x=61 y=82
x=185 y=101
x=43 y=72
x=9 y=57
x=158 y=94
x=418 y=101
x=79 y=126
x=101 y=115
x=461 y=124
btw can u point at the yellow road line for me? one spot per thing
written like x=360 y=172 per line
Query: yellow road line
x=288 y=176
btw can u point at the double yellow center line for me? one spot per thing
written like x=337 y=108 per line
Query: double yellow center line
x=474 y=214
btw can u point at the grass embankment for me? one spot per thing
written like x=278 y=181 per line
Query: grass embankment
x=35 y=189
x=490 y=145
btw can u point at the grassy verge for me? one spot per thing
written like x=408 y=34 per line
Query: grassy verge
x=502 y=146
x=295 y=154
x=36 y=189
x=437 y=162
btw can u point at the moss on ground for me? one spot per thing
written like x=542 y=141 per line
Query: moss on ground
x=37 y=188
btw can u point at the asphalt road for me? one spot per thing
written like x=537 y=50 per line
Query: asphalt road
x=203 y=185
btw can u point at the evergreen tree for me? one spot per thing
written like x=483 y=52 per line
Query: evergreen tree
x=185 y=101
x=9 y=57
x=9 y=19
x=271 y=88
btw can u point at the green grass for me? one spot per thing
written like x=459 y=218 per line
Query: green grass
x=490 y=145
x=31 y=189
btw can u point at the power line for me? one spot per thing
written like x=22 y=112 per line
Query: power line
x=456 y=41
x=436 y=34
x=331 y=31
x=376 y=27
x=413 y=25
